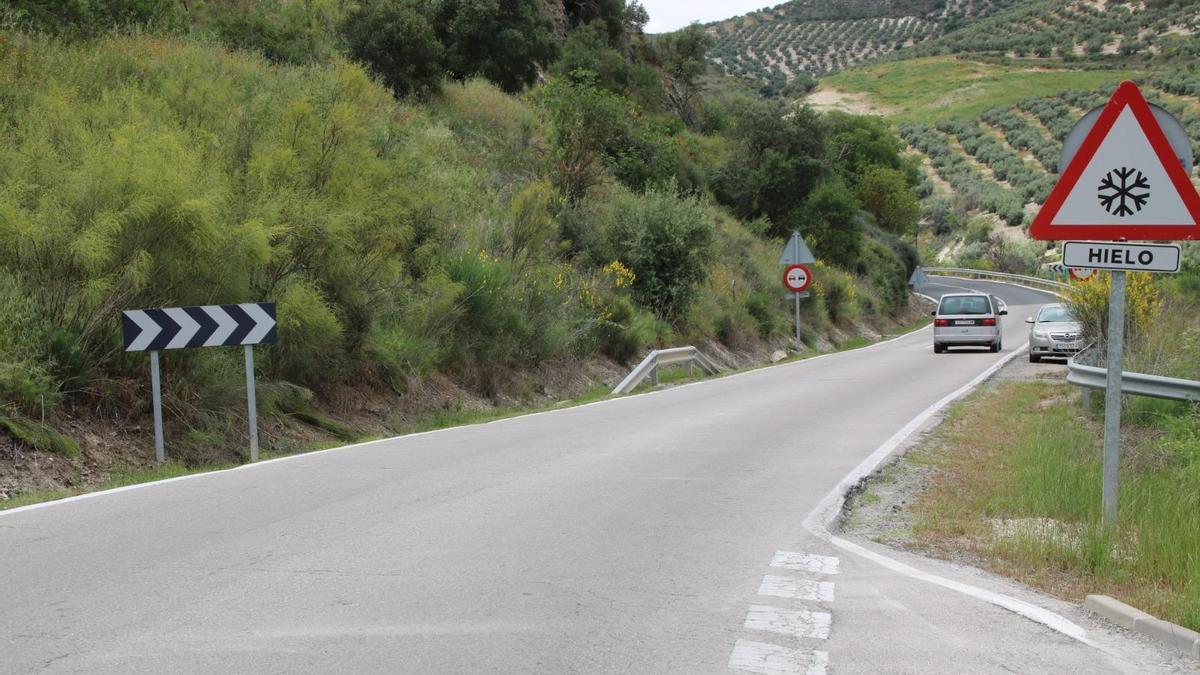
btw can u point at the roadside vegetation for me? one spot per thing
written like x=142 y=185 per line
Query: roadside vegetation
x=1026 y=502
x=461 y=228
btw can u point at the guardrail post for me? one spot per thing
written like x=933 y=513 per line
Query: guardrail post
x=1087 y=399
x=654 y=375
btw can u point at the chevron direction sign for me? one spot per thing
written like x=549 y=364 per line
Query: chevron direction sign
x=244 y=325
x=209 y=326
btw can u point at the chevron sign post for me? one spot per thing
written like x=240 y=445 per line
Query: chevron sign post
x=153 y=330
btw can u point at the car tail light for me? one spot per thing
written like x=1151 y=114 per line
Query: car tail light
x=941 y=323
x=989 y=322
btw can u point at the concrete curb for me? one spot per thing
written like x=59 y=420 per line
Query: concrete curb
x=1187 y=641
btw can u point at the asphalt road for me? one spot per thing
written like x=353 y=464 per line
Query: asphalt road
x=650 y=534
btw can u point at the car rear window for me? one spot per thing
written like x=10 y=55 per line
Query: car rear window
x=1055 y=314
x=965 y=304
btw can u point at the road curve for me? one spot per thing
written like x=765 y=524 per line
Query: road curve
x=649 y=534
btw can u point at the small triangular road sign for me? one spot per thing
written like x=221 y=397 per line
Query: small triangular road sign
x=918 y=277
x=796 y=252
x=1124 y=182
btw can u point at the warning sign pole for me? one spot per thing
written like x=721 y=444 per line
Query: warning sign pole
x=1125 y=178
x=1112 y=399
x=799 y=345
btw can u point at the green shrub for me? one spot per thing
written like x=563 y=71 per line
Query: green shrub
x=86 y=18
x=764 y=309
x=282 y=31
x=489 y=332
x=626 y=331
x=27 y=385
x=832 y=224
x=395 y=38
x=400 y=354
x=667 y=241
x=979 y=229
x=310 y=335
x=835 y=289
x=886 y=194
x=506 y=42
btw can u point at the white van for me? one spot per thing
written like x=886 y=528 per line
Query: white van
x=968 y=319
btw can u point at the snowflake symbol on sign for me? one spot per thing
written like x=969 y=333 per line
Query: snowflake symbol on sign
x=1124 y=191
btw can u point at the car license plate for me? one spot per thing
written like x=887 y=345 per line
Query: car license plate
x=964 y=322
x=1066 y=346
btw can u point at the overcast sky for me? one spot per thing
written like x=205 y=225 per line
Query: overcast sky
x=668 y=15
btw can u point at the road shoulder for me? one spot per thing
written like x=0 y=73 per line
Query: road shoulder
x=878 y=515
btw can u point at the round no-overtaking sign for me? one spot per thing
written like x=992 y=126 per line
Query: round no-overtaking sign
x=796 y=278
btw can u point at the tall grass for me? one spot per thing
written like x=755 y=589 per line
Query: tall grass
x=1025 y=454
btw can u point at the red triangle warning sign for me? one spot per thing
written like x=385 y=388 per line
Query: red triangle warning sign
x=1124 y=182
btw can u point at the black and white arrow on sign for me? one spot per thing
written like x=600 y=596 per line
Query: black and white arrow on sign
x=209 y=326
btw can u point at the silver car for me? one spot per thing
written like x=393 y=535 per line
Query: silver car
x=968 y=319
x=1054 y=332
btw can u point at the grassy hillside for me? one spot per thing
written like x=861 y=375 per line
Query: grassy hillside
x=935 y=88
x=430 y=255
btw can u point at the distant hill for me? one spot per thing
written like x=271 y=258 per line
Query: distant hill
x=820 y=37
x=1080 y=28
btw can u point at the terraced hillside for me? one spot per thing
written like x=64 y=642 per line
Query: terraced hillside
x=822 y=37
x=1080 y=28
x=988 y=136
x=817 y=39
x=999 y=167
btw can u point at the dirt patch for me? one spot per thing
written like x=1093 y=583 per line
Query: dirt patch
x=1010 y=233
x=950 y=250
x=859 y=104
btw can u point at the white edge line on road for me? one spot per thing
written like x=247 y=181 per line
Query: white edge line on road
x=827 y=510
x=314 y=453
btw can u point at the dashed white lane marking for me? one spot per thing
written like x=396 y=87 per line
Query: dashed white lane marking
x=798 y=589
x=799 y=623
x=805 y=562
x=768 y=659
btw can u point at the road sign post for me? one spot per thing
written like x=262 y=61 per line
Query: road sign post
x=1124 y=178
x=153 y=330
x=797 y=321
x=796 y=276
x=155 y=390
x=1112 y=398
x=250 y=404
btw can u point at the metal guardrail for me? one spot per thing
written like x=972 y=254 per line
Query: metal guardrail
x=664 y=357
x=1091 y=376
x=1043 y=284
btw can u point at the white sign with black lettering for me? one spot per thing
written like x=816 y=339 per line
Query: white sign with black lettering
x=1119 y=256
